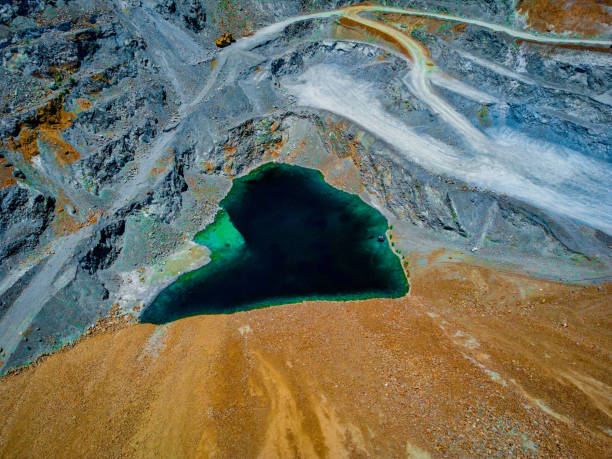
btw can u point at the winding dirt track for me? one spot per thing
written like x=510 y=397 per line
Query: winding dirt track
x=419 y=81
x=473 y=362
x=489 y=25
x=10 y=326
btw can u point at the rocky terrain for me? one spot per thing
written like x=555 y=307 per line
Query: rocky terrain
x=478 y=128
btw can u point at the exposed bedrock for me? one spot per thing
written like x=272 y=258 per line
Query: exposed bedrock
x=410 y=193
x=105 y=250
x=77 y=297
x=24 y=215
x=151 y=123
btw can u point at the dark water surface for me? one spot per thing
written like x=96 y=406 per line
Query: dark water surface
x=285 y=236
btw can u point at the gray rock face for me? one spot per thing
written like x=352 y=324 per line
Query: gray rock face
x=105 y=250
x=161 y=121
x=10 y=10
x=25 y=214
x=192 y=12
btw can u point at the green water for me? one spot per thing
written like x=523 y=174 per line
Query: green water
x=221 y=237
x=284 y=235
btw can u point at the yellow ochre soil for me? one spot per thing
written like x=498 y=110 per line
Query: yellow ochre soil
x=474 y=362
x=585 y=17
x=46 y=126
x=6 y=174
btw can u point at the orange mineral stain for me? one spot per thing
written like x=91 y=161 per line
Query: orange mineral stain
x=6 y=174
x=46 y=127
x=588 y=18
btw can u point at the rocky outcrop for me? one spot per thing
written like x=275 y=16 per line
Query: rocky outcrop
x=24 y=216
x=106 y=248
x=158 y=121
x=192 y=13
x=245 y=147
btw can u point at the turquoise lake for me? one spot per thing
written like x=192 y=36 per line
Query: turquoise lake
x=284 y=235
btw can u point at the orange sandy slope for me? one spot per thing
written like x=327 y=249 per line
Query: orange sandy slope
x=473 y=362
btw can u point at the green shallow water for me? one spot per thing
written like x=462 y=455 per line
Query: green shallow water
x=284 y=235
